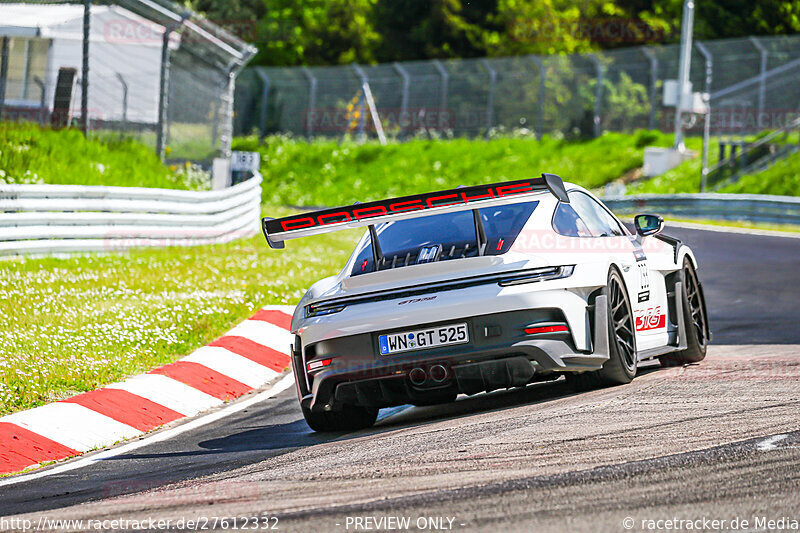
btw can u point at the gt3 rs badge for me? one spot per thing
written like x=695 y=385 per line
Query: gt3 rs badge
x=652 y=318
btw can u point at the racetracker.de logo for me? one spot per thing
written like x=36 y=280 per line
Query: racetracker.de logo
x=340 y=120
x=126 y=31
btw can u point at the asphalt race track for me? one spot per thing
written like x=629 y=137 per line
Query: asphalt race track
x=714 y=441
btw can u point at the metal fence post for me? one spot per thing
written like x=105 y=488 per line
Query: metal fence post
x=264 y=100
x=26 y=69
x=3 y=75
x=651 y=56
x=163 y=96
x=226 y=138
x=404 y=98
x=124 y=102
x=87 y=17
x=540 y=103
x=445 y=80
x=707 y=124
x=490 y=99
x=762 y=80
x=162 y=92
x=370 y=104
x=312 y=101
x=362 y=108
x=598 y=94
x=42 y=99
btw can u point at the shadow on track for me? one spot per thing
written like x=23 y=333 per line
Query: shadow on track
x=488 y=402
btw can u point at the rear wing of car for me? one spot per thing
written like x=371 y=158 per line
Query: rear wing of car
x=278 y=230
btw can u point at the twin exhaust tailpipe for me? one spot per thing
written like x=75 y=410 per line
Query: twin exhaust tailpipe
x=437 y=374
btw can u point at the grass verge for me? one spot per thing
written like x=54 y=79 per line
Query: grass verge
x=323 y=172
x=783 y=178
x=738 y=224
x=69 y=325
x=32 y=154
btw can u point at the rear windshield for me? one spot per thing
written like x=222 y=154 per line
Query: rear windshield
x=445 y=237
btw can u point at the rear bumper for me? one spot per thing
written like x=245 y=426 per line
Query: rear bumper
x=499 y=355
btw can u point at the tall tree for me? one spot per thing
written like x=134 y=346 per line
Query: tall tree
x=331 y=32
x=719 y=19
x=420 y=29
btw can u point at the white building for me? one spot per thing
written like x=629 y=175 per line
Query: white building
x=124 y=49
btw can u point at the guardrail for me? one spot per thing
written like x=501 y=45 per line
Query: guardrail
x=44 y=219
x=714 y=206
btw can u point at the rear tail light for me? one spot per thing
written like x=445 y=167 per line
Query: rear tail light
x=316 y=365
x=322 y=309
x=546 y=328
x=539 y=274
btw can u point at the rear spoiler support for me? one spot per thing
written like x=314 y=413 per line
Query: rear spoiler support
x=480 y=232
x=369 y=214
x=377 y=253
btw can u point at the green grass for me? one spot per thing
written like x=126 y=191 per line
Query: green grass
x=297 y=172
x=69 y=325
x=683 y=178
x=31 y=154
x=783 y=178
x=739 y=224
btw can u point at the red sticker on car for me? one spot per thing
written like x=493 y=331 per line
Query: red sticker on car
x=652 y=318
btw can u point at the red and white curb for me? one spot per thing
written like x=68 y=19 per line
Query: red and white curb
x=247 y=357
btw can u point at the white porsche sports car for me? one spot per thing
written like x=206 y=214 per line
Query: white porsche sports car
x=482 y=288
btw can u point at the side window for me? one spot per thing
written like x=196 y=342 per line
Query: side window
x=608 y=225
x=567 y=222
x=584 y=217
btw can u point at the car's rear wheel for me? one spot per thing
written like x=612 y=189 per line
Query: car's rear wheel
x=695 y=317
x=348 y=418
x=621 y=365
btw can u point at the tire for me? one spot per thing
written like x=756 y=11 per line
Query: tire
x=621 y=365
x=349 y=418
x=695 y=317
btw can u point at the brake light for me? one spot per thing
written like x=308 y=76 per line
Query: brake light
x=559 y=328
x=316 y=365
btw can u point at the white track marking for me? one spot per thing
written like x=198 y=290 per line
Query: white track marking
x=73 y=425
x=265 y=334
x=232 y=365
x=160 y=436
x=729 y=229
x=168 y=392
x=769 y=444
x=288 y=309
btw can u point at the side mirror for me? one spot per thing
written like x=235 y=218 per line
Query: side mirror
x=647 y=225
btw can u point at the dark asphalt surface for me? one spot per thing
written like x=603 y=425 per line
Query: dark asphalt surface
x=752 y=285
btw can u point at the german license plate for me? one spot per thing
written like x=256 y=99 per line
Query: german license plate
x=422 y=339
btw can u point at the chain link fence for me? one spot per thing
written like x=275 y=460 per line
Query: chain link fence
x=156 y=71
x=751 y=81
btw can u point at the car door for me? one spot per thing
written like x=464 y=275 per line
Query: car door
x=646 y=286
x=646 y=293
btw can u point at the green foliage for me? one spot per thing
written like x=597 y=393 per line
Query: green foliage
x=317 y=32
x=329 y=173
x=719 y=19
x=782 y=178
x=328 y=32
x=683 y=178
x=439 y=29
x=31 y=154
x=545 y=27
